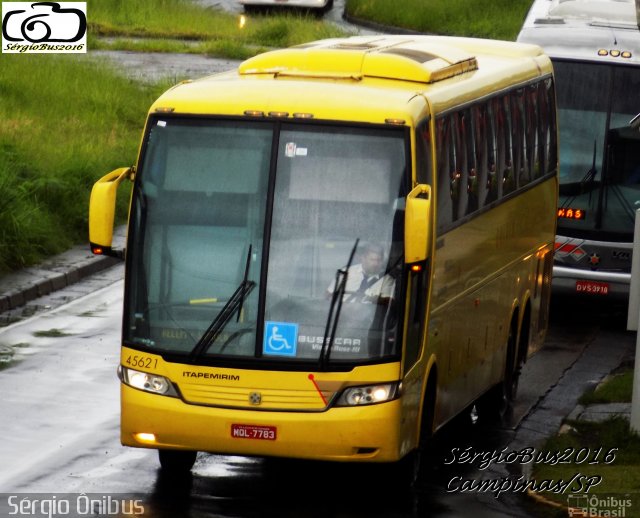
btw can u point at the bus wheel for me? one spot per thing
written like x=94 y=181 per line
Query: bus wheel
x=496 y=404
x=177 y=461
x=408 y=470
x=412 y=465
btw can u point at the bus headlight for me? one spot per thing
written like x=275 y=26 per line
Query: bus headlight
x=368 y=394
x=147 y=382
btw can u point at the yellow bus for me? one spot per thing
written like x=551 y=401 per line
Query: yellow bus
x=335 y=249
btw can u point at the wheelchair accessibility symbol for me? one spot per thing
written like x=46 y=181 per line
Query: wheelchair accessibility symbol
x=280 y=338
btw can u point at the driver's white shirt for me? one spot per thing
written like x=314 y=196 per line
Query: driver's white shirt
x=380 y=285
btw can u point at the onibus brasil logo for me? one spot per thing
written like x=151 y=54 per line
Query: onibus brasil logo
x=595 y=506
x=44 y=27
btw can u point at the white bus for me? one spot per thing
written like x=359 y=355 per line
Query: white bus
x=595 y=48
x=319 y=5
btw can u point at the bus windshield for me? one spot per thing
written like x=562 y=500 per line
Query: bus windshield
x=600 y=152
x=243 y=231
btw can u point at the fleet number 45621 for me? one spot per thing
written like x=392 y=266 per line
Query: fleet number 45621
x=144 y=362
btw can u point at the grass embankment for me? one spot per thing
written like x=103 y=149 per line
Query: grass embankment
x=65 y=123
x=495 y=19
x=194 y=29
x=606 y=455
x=617 y=388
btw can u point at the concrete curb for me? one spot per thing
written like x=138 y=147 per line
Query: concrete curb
x=19 y=288
x=600 y=357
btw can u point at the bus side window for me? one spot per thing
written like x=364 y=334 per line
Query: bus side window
x=454 y=173
x=444 y=150
x=481 y=141
x=552 y=149
x=517 y=141
x=459 y=176
x=543 y=128
x=531 y=132
x=505 y=146
x=472 y=161
x=493 y=184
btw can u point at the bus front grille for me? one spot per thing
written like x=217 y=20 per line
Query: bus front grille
x=252 y=398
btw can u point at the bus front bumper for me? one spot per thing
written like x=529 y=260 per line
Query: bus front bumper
x=364 y=433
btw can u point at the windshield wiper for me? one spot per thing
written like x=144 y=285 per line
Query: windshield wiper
x=234 y=304
x=244 y=281
x=590 y=177
x=585 y=184
x=337 y=296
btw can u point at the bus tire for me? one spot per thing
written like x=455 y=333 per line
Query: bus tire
x=497 y=403
x=177 y=462
x=425 y=443
x=407 y=470
x=411 y=466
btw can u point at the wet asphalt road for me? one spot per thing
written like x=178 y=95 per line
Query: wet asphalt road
x=60 y=426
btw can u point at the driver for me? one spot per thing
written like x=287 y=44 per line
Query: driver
x=366 y=280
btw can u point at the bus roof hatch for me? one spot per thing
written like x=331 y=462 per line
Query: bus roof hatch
x=413 y=58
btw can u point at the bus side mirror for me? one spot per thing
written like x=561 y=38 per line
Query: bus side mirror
x=102 y=209
x=416 y=224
